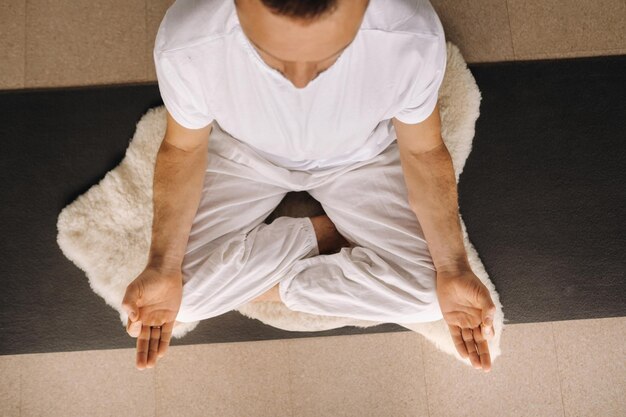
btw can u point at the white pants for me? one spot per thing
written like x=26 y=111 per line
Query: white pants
x=387 y=275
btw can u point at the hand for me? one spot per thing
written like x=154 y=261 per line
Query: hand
x=152 y=299
x=468 y=310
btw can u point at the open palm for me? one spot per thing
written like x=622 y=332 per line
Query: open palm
x=468 y=310
x=152 y=299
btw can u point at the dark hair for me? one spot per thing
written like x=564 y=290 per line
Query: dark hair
x=301 y=9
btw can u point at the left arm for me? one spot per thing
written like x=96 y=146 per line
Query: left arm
x=429 y=175
x=432 y=189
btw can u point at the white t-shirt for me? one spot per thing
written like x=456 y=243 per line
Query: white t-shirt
x=208 y=70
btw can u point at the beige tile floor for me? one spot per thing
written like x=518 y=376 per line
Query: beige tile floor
x=56 y=43
x=562 y=369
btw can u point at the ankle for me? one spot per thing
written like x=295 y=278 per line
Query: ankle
x=328 y=238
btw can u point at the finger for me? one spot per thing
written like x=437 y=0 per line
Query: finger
x=487 y=332
x=133 y=328
x=142 y=347
x=153 y=348
x=166 y=336
x=468 y=338
x=483 y=350
x=457 y=338
x=488 y=308
x=129 y=303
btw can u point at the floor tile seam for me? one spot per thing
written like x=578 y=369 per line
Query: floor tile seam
x=154 y=383
x=577 y=51
x=508 y=16
x=25 y=44
x=422 y=340
x=289 y=378
x=20 y=390
x=558 y=367
x=145 y=40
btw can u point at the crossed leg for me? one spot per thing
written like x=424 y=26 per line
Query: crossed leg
x=388 y=275
x=228 y=241
x=231 y=256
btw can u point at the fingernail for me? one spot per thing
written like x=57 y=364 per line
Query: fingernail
x=487 y=331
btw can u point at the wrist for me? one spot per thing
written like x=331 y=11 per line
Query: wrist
x=453 y=266
x=164 y=263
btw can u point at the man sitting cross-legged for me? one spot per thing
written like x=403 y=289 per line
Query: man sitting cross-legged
x=336 y=98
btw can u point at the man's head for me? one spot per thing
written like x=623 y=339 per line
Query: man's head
x=300 y=38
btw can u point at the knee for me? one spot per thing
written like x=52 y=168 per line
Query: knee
x=423 y=291
x=187 y=314
x=421 y=311
x=196 y=306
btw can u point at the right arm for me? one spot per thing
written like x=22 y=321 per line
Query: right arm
x=154 y=297
x=177 y=187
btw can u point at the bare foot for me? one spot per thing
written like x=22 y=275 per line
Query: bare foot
x=270 y=295
x=328 y=238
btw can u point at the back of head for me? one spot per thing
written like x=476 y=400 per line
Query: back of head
x=303 y=10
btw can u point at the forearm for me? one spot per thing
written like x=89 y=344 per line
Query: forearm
x=177 y=189
x=432 y=193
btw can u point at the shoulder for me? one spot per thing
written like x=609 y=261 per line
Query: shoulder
x=407 y=38
x=188 y=23
x=416 y=17
x=406 y=33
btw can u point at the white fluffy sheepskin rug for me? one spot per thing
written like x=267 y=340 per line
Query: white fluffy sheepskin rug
x=106 y=231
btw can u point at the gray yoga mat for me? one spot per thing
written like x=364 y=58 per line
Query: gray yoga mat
x=542 y=195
